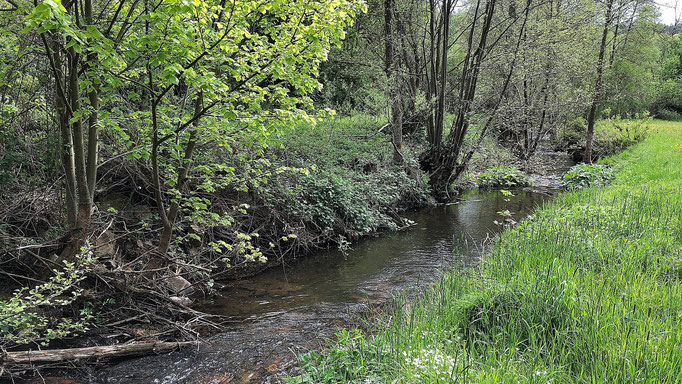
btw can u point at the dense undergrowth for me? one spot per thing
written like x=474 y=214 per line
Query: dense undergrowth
x=349 y=185
x=309 y=187
x=611 y=135
x=320 y=185
x=587 y=290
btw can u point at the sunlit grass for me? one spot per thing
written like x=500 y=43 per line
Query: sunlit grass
x=588 y=290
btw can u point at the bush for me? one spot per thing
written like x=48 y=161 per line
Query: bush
x=611 y=135
x=615 y=134
x=574 y=131
x=503 y=177
x=33 y=315
x=349 y=186
x=585 y=175
x=668 y=114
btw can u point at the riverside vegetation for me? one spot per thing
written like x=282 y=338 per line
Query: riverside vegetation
x=151 y=151
x=587 y=290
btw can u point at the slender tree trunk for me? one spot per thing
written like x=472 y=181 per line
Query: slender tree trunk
x=631 y=22
x=93 y=118
x=80 y=231
x=397 y=126
x=446 y=12
x=612 y=56
x=431 y=73
x=167 y=233
x=393 y=74
x=164 y=241
x=67 y=154
x=448 y=168
x=598 y=85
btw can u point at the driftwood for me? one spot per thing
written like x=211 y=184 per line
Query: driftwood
x=74 y=354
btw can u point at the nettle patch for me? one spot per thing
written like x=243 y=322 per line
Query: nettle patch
x=503 y=177
x=587 y=175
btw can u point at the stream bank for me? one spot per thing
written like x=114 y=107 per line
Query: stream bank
x=585 y=291
x=294 y=302
x=286 y=310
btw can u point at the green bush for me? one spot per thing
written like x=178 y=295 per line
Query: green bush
x=32 y=315
x=350 y=186
x=503 y=177
x=574 y=130
x=668 y=114
x=586 y=175
x=611 y=135
x=614 y=134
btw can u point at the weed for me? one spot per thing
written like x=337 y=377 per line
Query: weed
x=586 y=175
x=503 y=177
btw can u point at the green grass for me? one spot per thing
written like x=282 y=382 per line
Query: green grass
x=588 y=290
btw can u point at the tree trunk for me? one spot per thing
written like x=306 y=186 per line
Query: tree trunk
x=397 y=129
x=80 y=231
x=598 y=85
x=448 y=167
x=67 y=155
x=75 y=354
x=392 y=73
x=167 y=233
x=93 y=119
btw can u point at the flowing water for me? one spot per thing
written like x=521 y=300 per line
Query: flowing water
x=287 y=309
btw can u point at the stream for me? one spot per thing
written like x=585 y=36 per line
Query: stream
x=289 y=309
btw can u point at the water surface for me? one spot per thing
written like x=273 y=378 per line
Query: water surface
x=287 y=309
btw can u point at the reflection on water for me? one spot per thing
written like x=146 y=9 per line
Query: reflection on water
x=288 y=308
x=374 y=268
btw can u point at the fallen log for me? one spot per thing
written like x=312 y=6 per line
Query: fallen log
x=74 y=354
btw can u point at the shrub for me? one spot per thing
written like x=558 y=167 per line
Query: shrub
x=585 y=175
x=349 y=188
x=615 y=134
x=501 y=177
x=668 y=114
x=32 y=315
x=611 y=135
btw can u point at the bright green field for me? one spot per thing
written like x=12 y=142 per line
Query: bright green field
x=589 y=290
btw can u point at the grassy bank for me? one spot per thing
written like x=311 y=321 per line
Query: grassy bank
x=588 y=290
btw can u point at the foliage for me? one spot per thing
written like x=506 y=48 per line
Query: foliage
x=219 y=114
x=503 y=177
x=587 y=175
x=340 y=364
x=630 y=79
x=611 y=135
x=25 y=317
x=668 y=103
x=349 y=186
x=587 y=290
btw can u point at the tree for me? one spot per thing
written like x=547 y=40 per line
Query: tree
x=392 y=69
x=546 y=87
x=444 y=153
x=193 y=74
x=596 y=98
